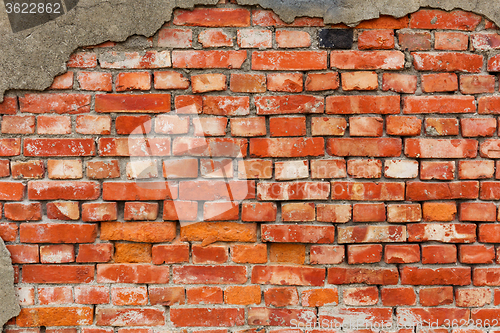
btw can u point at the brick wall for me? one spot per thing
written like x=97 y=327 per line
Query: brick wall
x=236 y=171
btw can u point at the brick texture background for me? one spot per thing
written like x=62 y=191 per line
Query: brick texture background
x=237 y=173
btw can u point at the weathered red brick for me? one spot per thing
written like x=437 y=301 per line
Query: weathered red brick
x=367 y=59
x=55 y=103
x=447 y=62
x=57 y=233
x=208 y=59
x=439 y=19
x=289 y=60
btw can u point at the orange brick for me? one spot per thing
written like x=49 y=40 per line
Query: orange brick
x=286 y=82
x=322 y=81
x=439 y=82
x=292 y=39
x=376 y=39
x=359 y=81
x=248 y=83
x=208 y=82
x=133 y=81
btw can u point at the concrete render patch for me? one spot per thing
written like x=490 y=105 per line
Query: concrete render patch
x=30 y=59
x=9 y=303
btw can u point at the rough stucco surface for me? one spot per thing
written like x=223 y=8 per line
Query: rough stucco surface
x=9 y=304
x=30 y=59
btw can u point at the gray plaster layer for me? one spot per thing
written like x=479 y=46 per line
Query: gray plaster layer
x=30 y=59
x=9 y=303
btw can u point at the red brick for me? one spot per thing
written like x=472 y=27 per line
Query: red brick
x=63 y=210
x=439 y=254
x=147 y=103
x=322 y=81
x=204 y=295
x=133 y=81
x=488 y=233
x=476 y=254
x=91 y=295
x=212 y=17
x=288 y=275
x=252 y=126
x=130 y=191
x=368 y=212
x=90 y=124
x=214 y=38
x=485 y=41
x=298 y=211
x=132 y=273
x=488 y=105
x=456 y=41
x=478 y=211
x=255 y=38
x=374 y=316
x=255 y=169
x=359 y=81
x=398 y=296
x=366 y=147
x=226 y=105
x=58 y=274
x=248 y=83
x=440 y=316
x=360 y=296
x=57 y=233
x=216 y=190
x=220 y=211
x=170 y=80
x=447 y=62
x=59 y=147
x=211 y=232
x=288 y=104
x=401 y=254
x=254 y=254
x=486 y=276
x=437 y=170
x=287 y=126
x=170 y=254
x=376 y=39
x=219 y=317
x=135 y=60
x=55 y=295
x=328 y=168
x=180 y=168
x=417 y=276
x=367 y=59
x=351 y=275
x=4 y=168
x=166 y=296
x=439 y=19
x=364 y=254
x=473 y=127
x=63 y=190
x=439 y=211
x=63 y=81
x=326 y=254
x=473 y=297
x=82 y=60
x=489 y=148
x=286 y=147
x=490 y=191
x=208 y=59
x=493 y=64
x=403 y=125
x=95 y=81
x=103 y=169
x=435 y=296
x=94 y=252
x=10 y=147
x=298 y=234
x=23 y=254
x=12 y=191
x=188 y=104
x=439 y=82
x=130 y=317
x=258 y=211
x=65 y=169
x=415 y=41
x=293 y=191
x=371 y=234
x=55 y=316
x=134 y=124
x=388 y=191
x=384 y=22
x=286 y=82
x=268 y=18
x=129 y=295
x=441 y=148
x=18 y=124
x=333 y=213
x=97 y=212
x=209 y=274
x=292 y=39
x=55 y=103
x=8 y=231
x=362 y=104
x=9 y=105
x=16 y=211
x=280 y=297
x=208 y=82
x=140 y=211
x=175 y=38
x=289 y=60
x=418 y=191
x=442 y=232
x=366 y=126
x=439 y=104
x=400 y=83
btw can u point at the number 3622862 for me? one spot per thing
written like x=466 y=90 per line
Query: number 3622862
x=33 y=8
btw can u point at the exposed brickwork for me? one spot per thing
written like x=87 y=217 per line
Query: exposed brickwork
x=243 y=172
